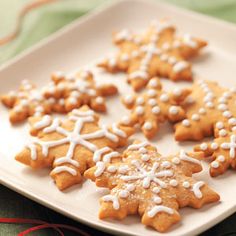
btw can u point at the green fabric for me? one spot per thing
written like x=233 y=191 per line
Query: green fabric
x=36 y=26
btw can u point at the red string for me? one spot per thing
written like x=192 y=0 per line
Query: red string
x=40 y=225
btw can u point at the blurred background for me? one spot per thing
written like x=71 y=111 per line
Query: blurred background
x=36 y=19
x=23 y=23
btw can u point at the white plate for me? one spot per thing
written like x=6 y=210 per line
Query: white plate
x=83 y=42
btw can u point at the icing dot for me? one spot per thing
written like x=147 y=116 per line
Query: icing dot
x=186 y=184
x=130 y=187
x=129 y=99
x=219 y=125
x=227 y=114
x=142 y=150
x=214 y=146
x=166 y=46
x=99 y=100
x=234 y=128
x=165 y=164
x=215 y=164
x=151 y=93
x=164 y=98
x=202 y=111
x=203 y=146
x=125 y=120
x=164 y=57
x=209 y=105
x=233 y=90
x=123 y=194
x=222 y=132
x=222 y=100
x=72 y=100
x=221 y=158
x=173 y=183
x=145 y=157
x=177 y=91
x=186 y=123
x=156 y=190
x=174 y=110
x=140 y=101
x=180 y=66
x=139 y=110
x=153 y=83
x=147 y=125
x=156 y=110
x=227 y=94
x=232 y=121
x=195 y=117
x=152 y=102
x=176 y=160
x=111 y=169
x=222 y=107
x=157 y=200
x=190 y=100
x=172 y=60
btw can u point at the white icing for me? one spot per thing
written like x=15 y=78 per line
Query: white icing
x=186 y=184
x=186 y=123
x=125 y=120
x=156 y=209
x=231 y=146
x=137 y=146
x=128 y=99
x=173 y=182
x=164 y=97
x=219 y=125
x=156 y=110
x=196 y=189
x=184 y=157
x=67 y=169
x=113 y=199
x=119 y=132
x=215 y=164
x=173 y=110
x=221 y=158
x=46 y=120
x=98 y=153
x=140 y=101
x=180 y=66
x=195 y=117
x=222 y=133
x=176 y=160
x=203 y=146
x=139 y=110
x=147 y=125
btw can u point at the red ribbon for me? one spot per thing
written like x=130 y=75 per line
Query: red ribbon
x=41 y=225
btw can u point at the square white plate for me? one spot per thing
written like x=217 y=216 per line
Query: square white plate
x=81 y=43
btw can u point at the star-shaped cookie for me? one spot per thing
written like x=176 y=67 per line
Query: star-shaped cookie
x=154 y=106
x=156 y=52
x=154 y=186
x=68 y=146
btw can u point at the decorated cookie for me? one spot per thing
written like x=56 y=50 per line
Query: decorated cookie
x=206 y=107
x=153 y=107
x=27 y=101
x=79 y=89
x=222 y=152
x=156 y=52
x=144 y=182
x=71 y=146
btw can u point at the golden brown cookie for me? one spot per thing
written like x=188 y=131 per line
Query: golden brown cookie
x=68 y=146
x=154 y=186
x=27 y=101
x=207 y=105
x=156 y=52
x=222 y=152
x=153 y=107
x=79 y=89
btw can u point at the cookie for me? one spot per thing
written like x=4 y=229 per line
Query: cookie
x=153 y=107
x=156 y=52
x=79 y=89
x=207 y=105
x=68 y=146
x=154 y=186
x=27 y=101
x=222 y=151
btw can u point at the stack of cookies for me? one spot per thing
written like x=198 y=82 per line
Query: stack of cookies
x=141 y=180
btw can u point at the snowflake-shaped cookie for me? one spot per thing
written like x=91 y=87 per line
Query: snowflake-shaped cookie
x=79 y=89
x=222 y=152
x=144 y=182
x=68 y=146
x=206 y=107
x=27 y=101
x=156 y=52
x=153 y=107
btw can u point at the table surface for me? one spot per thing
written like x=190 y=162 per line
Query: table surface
x=37 y=25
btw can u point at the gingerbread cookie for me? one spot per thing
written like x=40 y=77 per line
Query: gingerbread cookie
x=69 y=146
x=156 y=52
x=153 y=107
x=79 y=89
x=222 y=150
x=27 y=101
x=144 y=182
x=207 y=105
